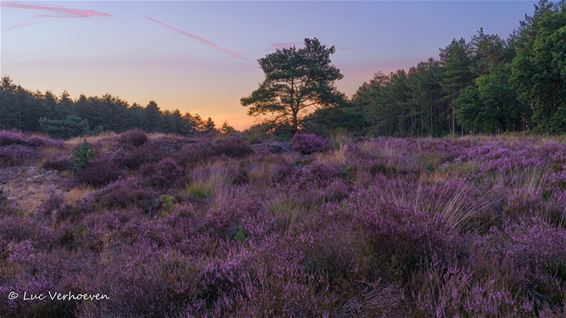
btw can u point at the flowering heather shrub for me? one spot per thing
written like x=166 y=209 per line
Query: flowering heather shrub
x=203 y=227
x=73 y=212
x=137 y=274
x=283 y=171
x=229 y=146
x=524 y=203
x=11 y=137
x=17 y=229
x=555 y=182
x=15 y=154
x=38 y=141
x=403 y=238
x=50 y=206
x=532 y=254
x=133 y=158
x=504 y=157
x=59 y=164
x=232 y=146
x=308 y=143
x=134 y=137
x=338 y=252
x=126 y=193
x=99 y=172
x=336 y=191
x=164 y=173
x=194 y=153
x=457 y=290
x=316 y=173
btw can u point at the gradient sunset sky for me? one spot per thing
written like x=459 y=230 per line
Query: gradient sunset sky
x=202 y=56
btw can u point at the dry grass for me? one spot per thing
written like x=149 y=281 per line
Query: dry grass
x=77 y=193
x=375 y=150
x=287 y=212
x=105 y=136
x=260 y=170
x=433 y=177
x=209 y=180
x=337 y=156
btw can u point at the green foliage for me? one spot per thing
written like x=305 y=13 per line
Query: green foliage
x=68 y=127
x=456 y=74
x=226 y=129
x=349 y=173
x=490 y=105
x=167 y=201
x=296 y=80
x=63 y=117
x=488 y=51
x=200 y=190
x=153 y=120
x=240 y=234
x=209 y=127
x=487 y=85
x=331 y=120
x=83 y=156
x=538 y=72
x=268 y=131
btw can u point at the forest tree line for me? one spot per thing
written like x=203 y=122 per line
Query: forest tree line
x=484 y=85
x=63 y=117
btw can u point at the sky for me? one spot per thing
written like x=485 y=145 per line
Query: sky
x=201 y=57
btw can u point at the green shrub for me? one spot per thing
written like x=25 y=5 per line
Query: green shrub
x=240 y=234
x=200 y=190
x=83 y=156
x=167 y=201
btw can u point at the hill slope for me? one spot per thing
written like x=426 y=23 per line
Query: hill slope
x=173 y=226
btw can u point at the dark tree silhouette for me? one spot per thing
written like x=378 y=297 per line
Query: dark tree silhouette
x=63 y=117
x=296 y=80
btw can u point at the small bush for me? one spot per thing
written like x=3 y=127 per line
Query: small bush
x=194 y=153
x=99 y=173
x=59 y=164
x=134 y=137
x=164 y=173
x=17 y=154
x=135 y=157
x=233 y=146
x=240 y=177
x=167 y=201
x=83 y=156
x=37 y=141
x=230 y=146
x=126 y=193
x=240 y=234
x=200 y=191
x=308 y=143
x=11 y=137
x=50 y=206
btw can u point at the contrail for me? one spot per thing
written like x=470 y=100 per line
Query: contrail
x=197 y=38
x=76 y=13
x=24 y=24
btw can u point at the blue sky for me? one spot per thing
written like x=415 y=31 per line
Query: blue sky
x=202 y=56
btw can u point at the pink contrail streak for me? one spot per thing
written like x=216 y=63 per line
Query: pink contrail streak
x=71 y=12
x=197 y=38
